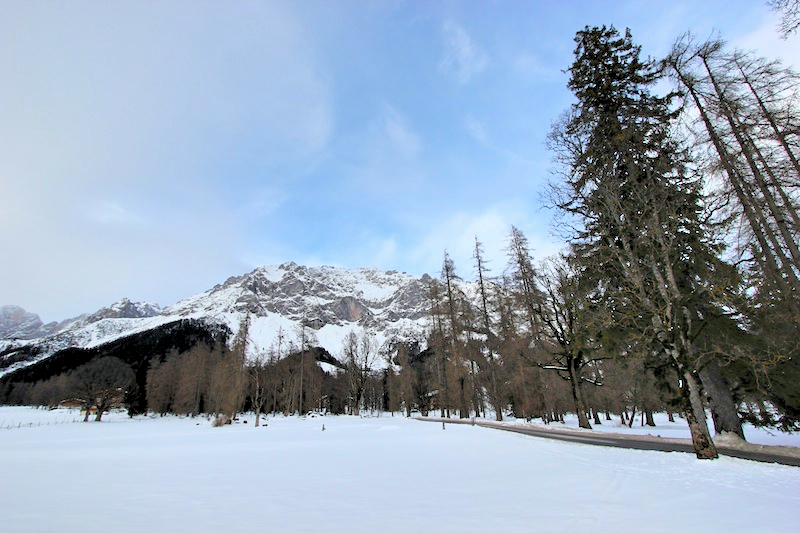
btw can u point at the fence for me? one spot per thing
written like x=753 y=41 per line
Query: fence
x=18 y=425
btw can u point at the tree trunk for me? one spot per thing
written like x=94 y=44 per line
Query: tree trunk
x=648 y=414
x=723 y=409
x=759 y=180
x=695 y=415
x=754 y=215
x=463 y=409
x=577 y=396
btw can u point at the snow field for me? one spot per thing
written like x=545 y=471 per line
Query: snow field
x=362 y=475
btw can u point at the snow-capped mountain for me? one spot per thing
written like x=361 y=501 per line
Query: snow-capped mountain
x=330 y=302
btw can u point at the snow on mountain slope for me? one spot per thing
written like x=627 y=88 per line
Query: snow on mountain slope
x=329 y=301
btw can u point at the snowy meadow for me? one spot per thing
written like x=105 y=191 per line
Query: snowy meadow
x=362 y=475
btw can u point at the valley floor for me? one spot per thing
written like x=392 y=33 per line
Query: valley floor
x=362 y=475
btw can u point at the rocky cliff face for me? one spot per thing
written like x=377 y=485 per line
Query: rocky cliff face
x=320 y=296
x=279 y=300
x=17 y=323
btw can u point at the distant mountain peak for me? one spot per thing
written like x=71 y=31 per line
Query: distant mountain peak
x=16 y=322
x=125 y=308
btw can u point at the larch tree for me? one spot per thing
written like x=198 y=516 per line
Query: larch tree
x=162 y=381
x=526 y=297
x=457 y=314
x=438 y=342
x=487 y=329
x=256 y=373
x=227 y=379
x=745 y=129
x=789 y=11
x=306 y=339
x=746 y=109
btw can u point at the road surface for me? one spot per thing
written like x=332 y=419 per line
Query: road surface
x=632 y=442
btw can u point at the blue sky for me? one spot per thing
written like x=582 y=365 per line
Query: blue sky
x=152 y=149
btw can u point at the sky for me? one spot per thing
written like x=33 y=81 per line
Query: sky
x=151 y=150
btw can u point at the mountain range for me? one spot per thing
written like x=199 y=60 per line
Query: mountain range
x=279 y=300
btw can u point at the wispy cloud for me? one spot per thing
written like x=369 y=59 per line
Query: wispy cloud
x=403 y=139
x=766 y=40
x=463 y=59
x=263 y=202
x=530 y=67
x=456 y=233
x=476 y=129
x=112 y=213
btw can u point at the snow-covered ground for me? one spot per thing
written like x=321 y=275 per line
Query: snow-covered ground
x=363 y=474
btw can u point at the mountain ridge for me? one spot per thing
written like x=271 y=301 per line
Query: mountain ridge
x=280 y=299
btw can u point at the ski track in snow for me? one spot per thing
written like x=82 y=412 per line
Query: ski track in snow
x=386 y=474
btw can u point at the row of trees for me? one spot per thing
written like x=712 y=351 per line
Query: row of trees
x=680 y=288
x=215 y=378
x=681 y=282
x=286 y=378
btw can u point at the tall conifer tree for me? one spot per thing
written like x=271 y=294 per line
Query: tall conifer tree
x=638 y=209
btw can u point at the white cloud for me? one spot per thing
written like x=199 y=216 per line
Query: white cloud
x=135 y=155
x=385 y=251
x=463 y=59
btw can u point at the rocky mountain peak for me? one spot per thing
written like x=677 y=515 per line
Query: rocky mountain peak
x=16 y=322
x=125 y=308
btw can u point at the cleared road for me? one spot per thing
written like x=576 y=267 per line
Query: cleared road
x=624 y=441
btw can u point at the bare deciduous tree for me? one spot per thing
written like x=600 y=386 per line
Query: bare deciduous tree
x=100 y=383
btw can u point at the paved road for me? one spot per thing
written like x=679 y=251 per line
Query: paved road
x=626 y=441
